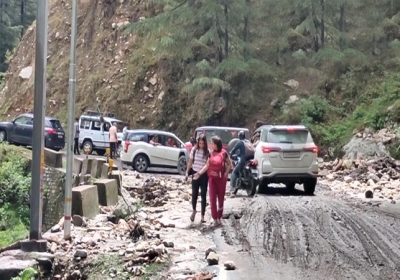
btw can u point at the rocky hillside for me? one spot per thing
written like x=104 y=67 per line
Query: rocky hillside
x=328 y=66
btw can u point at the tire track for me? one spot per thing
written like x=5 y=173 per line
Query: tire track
x=327 y=239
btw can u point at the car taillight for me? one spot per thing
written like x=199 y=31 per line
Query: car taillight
x=267 y=150
x=127 y=144
x=313 y=149
x=50 y=130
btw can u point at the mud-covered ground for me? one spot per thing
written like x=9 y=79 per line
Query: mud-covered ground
x=282 y=235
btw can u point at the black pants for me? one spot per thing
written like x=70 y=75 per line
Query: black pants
x=201 y=184
x=113 y=149
x=76 y=146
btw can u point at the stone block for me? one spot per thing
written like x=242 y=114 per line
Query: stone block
x=85 y=201
x=104 y=172
x=85 y=179
x=116 y=175
x=53 y=158
x=108 y=191
x=87 y=166
x=77 y=167
x=97 y=167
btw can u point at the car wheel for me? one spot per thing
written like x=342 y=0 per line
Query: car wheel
x=140 y=163
x=3 y=136
x=251 y=187
x=290 y=185
x=87 y=144
x=100 y=152
x=309 y=186
x=182 y=165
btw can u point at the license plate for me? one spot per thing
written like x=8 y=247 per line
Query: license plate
x=254 y=171
x=60 y=136
x=291 y=154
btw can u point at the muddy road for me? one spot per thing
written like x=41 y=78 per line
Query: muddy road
x=291 y=236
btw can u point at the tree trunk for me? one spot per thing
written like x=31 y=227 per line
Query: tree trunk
x=322 y=23
x=226 y=47
x=342 y=21
x=22 y=17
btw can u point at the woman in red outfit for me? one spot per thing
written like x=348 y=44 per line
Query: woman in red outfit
x=218 y=166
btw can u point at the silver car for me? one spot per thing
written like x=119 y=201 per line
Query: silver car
x=287 y=155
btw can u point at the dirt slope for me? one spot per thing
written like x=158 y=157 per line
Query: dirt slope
x=139 y=92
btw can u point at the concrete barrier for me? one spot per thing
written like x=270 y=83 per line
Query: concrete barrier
x=77 y=168
x=87 y=166
x=104 y=171
x=85 y=201
x=116 y=175
x=53 y=158
x=108 y=191
x=97 y=167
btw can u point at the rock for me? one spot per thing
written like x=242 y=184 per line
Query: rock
x=293 y=84
x=348 y=179
x=347 y=163
x=292 y=99
x=153 y=81
x=26 y=72
x=369 y=194
x=330 y=177
x=77 y=220
x=373 y=177
x=209 y=250
x=161 y=95
x=168 y=244
x=212 y=258
x=56 y=228
x=79 y=253
x=364 y=148
x=185 y=196
x=229 y=265
x=146 y=88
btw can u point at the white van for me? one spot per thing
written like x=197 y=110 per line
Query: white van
x=94 y=133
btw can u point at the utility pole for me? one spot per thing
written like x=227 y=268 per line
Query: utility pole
x=35 y=243
x=71 y=115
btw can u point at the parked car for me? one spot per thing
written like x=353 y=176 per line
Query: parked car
x=226 y=134
x=94 y=134
x=288 y=155
x=140 y=154
x=20 y=132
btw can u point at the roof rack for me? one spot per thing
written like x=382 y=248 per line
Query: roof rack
x=92 y=113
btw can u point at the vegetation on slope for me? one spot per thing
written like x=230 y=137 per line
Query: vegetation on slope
x=15 y=183
x=225 y=62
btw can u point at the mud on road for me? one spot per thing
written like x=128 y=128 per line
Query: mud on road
x=313 y=237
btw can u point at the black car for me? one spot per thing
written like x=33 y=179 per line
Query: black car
x=20 y=132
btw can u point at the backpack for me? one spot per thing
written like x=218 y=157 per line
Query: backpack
x=249 y=149
x=216 y=164
x=191 y=171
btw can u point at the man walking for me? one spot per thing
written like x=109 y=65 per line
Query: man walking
x=76 y=137
x=113 y=140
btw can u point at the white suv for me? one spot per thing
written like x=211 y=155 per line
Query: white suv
x=288 y=155
x=94 y=133
x=140 y=154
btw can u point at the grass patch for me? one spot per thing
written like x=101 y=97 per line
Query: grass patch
x=154 y=270
x=100 y=268
x=16 y=233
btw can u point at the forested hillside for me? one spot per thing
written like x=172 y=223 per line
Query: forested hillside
x=332 y=65
x=15 y=17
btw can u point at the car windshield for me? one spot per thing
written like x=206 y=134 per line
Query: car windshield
x=53 y=124
x=228 y=134
x=287 y=136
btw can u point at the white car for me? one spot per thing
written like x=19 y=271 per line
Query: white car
x=140 y=154
x=286 y=154
x=94 y=134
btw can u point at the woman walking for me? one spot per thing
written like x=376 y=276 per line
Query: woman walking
x=197 y=160
x=217 y=166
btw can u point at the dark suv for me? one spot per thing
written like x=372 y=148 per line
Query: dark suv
x=226 y=134
x=20 y=132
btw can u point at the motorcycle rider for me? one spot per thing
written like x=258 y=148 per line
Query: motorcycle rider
x=241 y=147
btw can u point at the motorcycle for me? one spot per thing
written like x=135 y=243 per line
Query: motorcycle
x=247 y=178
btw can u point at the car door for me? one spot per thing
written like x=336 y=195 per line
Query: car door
x=28 y=131
x=20 y=127
x=157 y=153
x=171 y=154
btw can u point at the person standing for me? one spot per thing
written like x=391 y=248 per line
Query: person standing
x=218 y=166
x=76 y=137
x=197 y=160
x=113 y=140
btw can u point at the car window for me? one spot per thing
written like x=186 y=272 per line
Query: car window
x=228 y=134
x=209 y=134
x=138 y=136
x=96 y=126
x=22 y=120
x=53 y=124
x=120 y=126
x=106 y=126
x=288 y=136
x=85 y=124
